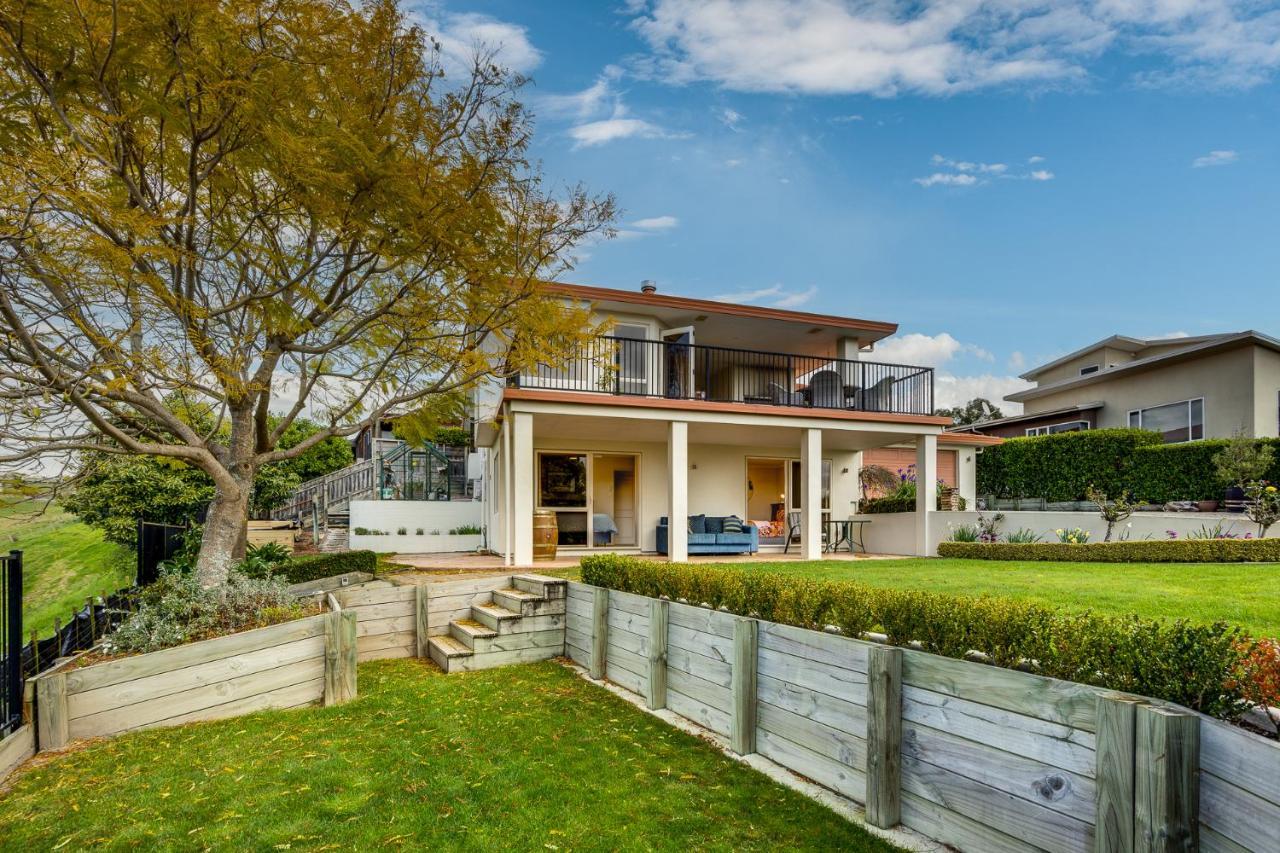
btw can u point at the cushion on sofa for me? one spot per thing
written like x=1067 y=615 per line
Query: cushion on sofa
x=731 y=524
x=697 y=524
x=715 y=524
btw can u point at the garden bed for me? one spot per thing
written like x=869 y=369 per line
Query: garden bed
x=1142 y=551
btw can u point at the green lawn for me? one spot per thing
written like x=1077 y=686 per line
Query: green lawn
x=1243 y=594
x=64 y=562
x=520 y=758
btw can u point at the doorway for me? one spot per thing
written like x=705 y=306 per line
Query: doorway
x=595 y=497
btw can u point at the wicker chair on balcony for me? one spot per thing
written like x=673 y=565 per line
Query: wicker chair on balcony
x=780 y=396
x=826 y=390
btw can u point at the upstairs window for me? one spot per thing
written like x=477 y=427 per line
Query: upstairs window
x=1177 y=422
x=1069 y=426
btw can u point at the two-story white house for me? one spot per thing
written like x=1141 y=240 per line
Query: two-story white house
x=690 y=408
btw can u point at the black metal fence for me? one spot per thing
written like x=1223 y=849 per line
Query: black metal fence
x=156 y=543
x=684 y=371
x=10 y=641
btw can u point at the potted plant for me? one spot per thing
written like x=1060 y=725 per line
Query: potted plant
x=1242 y=461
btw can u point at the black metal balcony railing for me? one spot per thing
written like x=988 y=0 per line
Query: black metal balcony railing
x=681 y=371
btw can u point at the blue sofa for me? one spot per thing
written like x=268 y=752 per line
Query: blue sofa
x=707 y=536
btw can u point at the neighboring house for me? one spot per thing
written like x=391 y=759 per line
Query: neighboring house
x=692 y=407
x=1208 y=386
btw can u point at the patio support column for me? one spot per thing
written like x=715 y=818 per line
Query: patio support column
x=678 y=491
x=926 y=491
x=811 y=494
x=522 y=486
x=507 y=510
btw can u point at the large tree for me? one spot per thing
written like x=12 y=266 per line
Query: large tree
x=975 y=411
x=257 y=206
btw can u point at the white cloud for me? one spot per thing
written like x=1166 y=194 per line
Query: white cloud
x=461 y=35
x=1017 y=361
x=947 y=179
x=597 y=97
x=847 y=119
x=1215 y=158
x=927 y=350
x=730 y=118
x=734 y=162
x=774 y=296
x=890 y=47
x=1034 y=159
x=600 y=113
x=656 y=223
x=1041 y=175
x=967 y=166
x=594 y=133
x=950 y=390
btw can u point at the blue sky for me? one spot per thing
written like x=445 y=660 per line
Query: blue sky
x=1006 y=180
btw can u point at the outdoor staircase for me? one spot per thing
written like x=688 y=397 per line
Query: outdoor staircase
x=521 y=623
x=335 y=539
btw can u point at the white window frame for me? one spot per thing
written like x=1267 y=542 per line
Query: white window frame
x=1204 y=416
x=1046 y=430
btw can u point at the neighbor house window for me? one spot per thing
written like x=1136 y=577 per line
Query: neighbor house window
x=1069 y=426
x=1085 y=371
x=1175 y=421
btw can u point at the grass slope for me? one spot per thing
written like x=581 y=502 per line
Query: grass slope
x=64 y=562
x=1240 y=593
x=520 y=758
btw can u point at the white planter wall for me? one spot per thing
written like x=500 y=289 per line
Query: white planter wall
x=390 y=516
x=894 y=533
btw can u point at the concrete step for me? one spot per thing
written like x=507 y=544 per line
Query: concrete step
x=469 y=632
x=527 y=603
x=506 y=621
x=448 y=652
x=542 y=585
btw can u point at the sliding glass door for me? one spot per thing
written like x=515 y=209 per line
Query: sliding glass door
x=595 y=497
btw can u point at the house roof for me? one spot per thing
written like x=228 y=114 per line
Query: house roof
x=1016 y=419
x=867 y=330
x=1196 y=348
x=1124 y=343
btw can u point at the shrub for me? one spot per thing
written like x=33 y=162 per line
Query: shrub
x=890 y=504
x=451 y=437
x=1141 y=551
x=176 y=610
x=1072 y=535
x=401 y=531
x=466 y=530
x=1022 y=536
x=312 y=567
x=1199 y=666
x=965 y=533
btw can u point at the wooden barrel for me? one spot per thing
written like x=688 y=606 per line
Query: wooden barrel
x=545 y=534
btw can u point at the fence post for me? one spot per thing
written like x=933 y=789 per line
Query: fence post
x=1114 y=769
x=51 y=710
x=657 y=697
x=599 y=631
x=11 y=689
x=339 y=654
x=422 y=610
x=742 y=733
x=1167 y=781
x=884 y=736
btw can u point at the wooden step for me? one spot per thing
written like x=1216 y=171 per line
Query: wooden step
x=542 y=585
x=552 y=641
x=506 y=621
x=527 y=603
x=448 y=653
x=488 y=660
x=469 y=631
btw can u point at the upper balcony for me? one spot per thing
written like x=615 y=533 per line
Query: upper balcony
x=679 y=370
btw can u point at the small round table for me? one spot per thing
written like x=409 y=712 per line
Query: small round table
x=840 y=531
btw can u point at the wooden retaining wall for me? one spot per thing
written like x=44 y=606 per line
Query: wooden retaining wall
x=303 y=662
x=15 y=749
x=396 y=620
x=979 y=757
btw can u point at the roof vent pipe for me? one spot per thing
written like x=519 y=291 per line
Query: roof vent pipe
x=648 y=286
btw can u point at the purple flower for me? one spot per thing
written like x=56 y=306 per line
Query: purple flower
x=1173 y=534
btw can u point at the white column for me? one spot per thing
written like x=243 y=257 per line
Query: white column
x=522 y=486
x=967 y=476
x=678 y=491
x=508 y=501
x=926 y=491
x=811 y=494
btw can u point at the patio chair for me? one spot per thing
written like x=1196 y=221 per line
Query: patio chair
x=827 y=389
x=878 y=397
x=780 y=396
x=793 y=530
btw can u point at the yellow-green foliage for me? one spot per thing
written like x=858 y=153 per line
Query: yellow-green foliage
x=1193 y=665
x=1140 y=551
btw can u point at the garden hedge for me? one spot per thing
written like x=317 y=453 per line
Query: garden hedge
x=1200 y=666
x=1061 y=467
x=1141 y=551
x=312 y=567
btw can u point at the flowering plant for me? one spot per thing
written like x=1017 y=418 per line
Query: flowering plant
x=1262 y=505
x=1073 y=536
x=1113 y=511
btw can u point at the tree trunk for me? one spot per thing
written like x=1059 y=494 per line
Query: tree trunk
x=223 y=544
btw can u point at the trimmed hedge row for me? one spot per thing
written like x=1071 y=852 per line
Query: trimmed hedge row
x=1061 y=467
x=1200 y=666
x=1141 y=551
x=311 y=567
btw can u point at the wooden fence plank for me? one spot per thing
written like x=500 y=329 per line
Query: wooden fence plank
x=955 y=829
x=340 y=657
x=1115 y=769
x=703 y=642
x=702 y=619
x=884 y=736
x=816 y=646
x=1241 y=758
x=1166 y=783
x=15 y=749
x=1064 y=702
x=658 y=613
x=836 y=713
x=599 y=632
x=1238 y=815
x=51 y=703
x=743 y=732
x=840 y=746
x=845 y=684
x=422 y=618
x=841 y=778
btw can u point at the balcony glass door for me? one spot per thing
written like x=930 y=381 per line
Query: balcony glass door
x=677 y=362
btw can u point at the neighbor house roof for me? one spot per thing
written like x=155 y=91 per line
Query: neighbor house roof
x=1124 y=343
x=1016 y=419
x=1196 y=348
x=872 y=330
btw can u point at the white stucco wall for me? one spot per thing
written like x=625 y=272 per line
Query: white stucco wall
x=894 y=533
x=390 y=516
